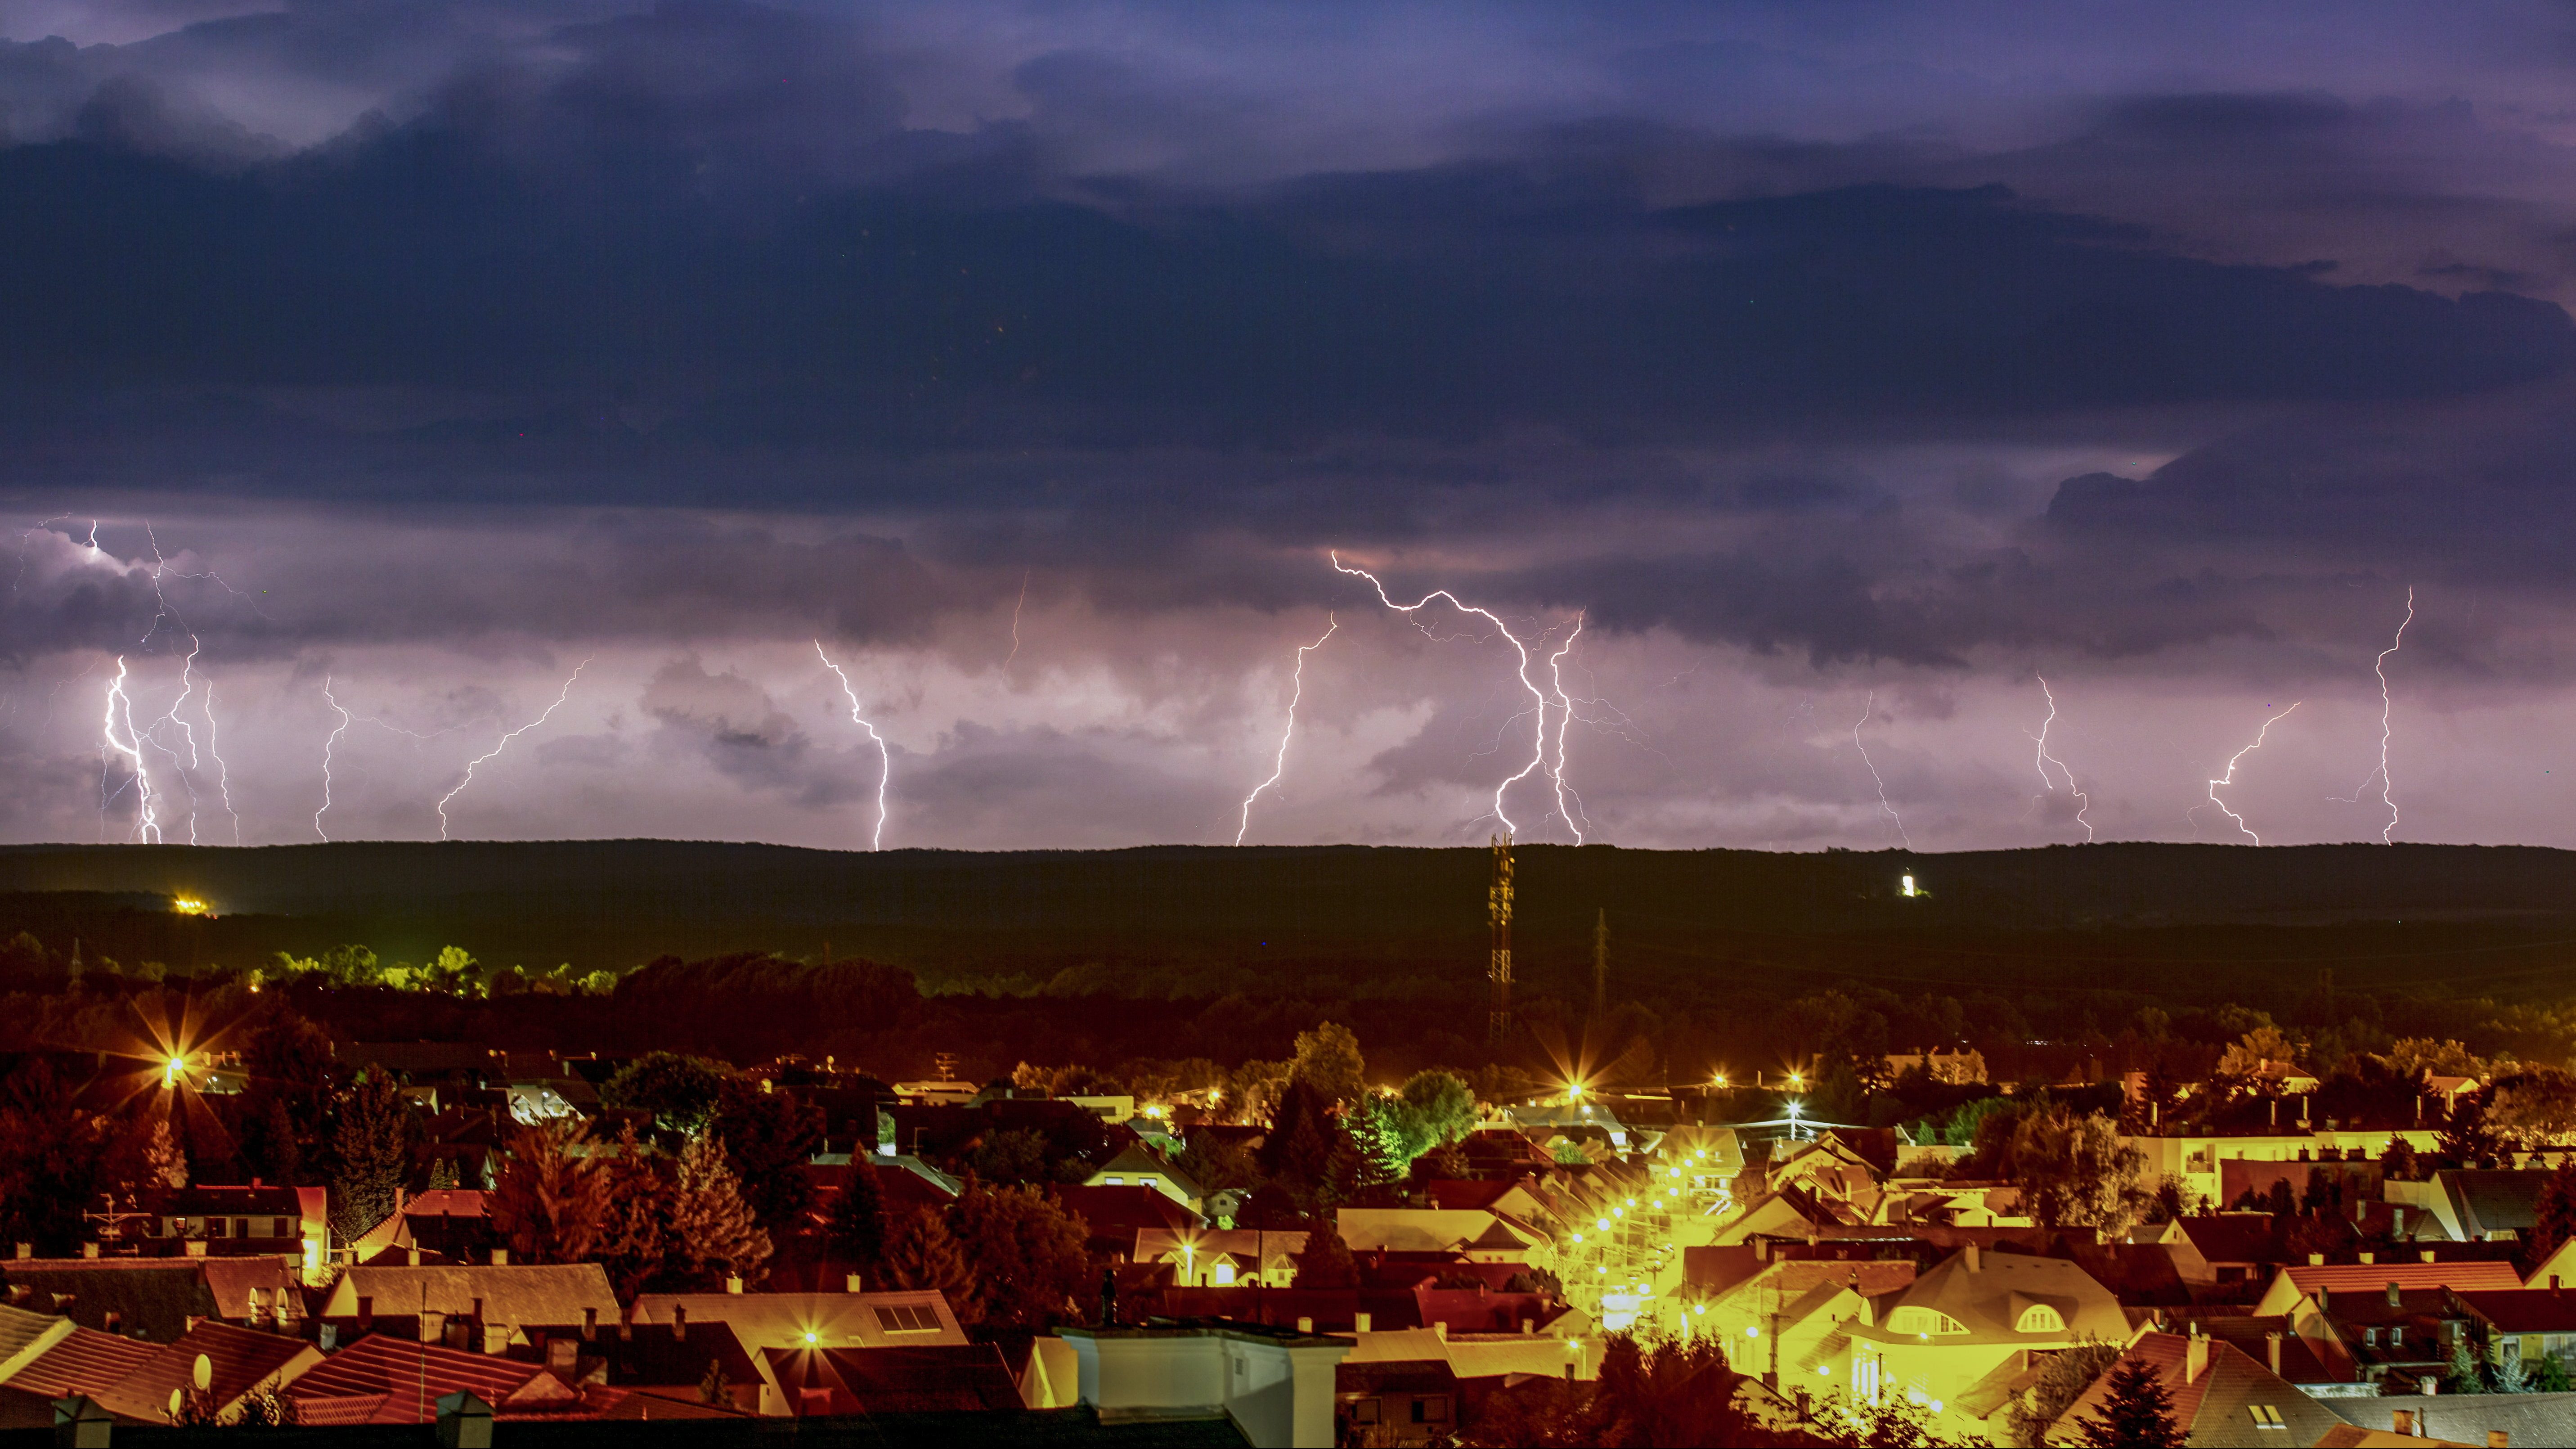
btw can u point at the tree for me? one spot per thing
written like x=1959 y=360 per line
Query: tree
x=1307 y=1155
x=1327 y=1261
x=2262 y=1047
x=549 y=1204
x=1217 y=1163
x=633 y=1237
x=2549 y=1375
x=1027 y=1250
x=2074 y=1171
x=2512 y=1374
x=1379 y=1134
x=856 y=1229
x=287 y=1065
x=371 y=1141
x=2553 y=1216
x=2535 y=1106
x=2465 y=1377
x=2398 y=1163
x=2466 y=1135
x=1019 y=1155
x=1328 y=1059
x=2137 y=1413
x=680 y=1091
x=923 y=1254
x=1442 y=1105
x=2417 y=1056
x=769 y=1137
x=713 y=1235
x=2063 y=1378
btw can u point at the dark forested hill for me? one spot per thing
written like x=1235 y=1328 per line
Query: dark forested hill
x=2182 y=919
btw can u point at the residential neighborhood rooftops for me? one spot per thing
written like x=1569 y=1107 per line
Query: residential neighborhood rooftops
x=2221 y=1396
x=235 y=1361
x=504 y=1293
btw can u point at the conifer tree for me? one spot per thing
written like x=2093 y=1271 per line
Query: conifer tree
x=1327 y=1261
x=548 y=1204
x=634 y=1232
x=2138 y=1413
x=923 y=1254
x=2512 y=1375
x=713 y=1233
x=371 y=1144
x=2465 y=1376
x=2554 y=1215
x=857 y=1229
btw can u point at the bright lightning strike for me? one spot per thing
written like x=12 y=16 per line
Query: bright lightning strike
x=120 y=708
x=885 y=759
x=504 y=744
x=327 y=745
x=2387 y=787
x=2230 y=777
x=1564 y=720
x=1538 y=697
x=1279 y=766
x=1866 y=711
x=2083 y=801
x=1015 y=623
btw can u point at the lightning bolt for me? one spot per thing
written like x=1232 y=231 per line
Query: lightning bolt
x=1015 y=623
x=1866 y=710
x=1279 y=766
x=327 y=745
x=147 y=827
x=504 y=744
x=2045 y=759
x=2387 y=787
x=1564 y=720
x=2230 y=777
x=1538 y=697
x=885 y=759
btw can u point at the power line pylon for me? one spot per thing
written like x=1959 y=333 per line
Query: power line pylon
x=1498 y=909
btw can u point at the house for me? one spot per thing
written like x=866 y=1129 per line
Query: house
x=2517 y=1419
x=1739 y=1288
x=2395 y=1341
x=382 y=1379
x=660 y=1361
x=1275 y=1386
x=2220 y=1396
x=2477 y=1205
x=903 y=1319
x=65 y=1361
x=1118 y=1215
x=158 y=1298
x=472 y=1299
x=1223 y=1257
x=2320 y=1366
x=228 y=1362
x=2529 y=1325
x=1137 y=1165
x=1480 y=1234
x=2311 y=1279
x=1961 y=1319
x=929 y=1379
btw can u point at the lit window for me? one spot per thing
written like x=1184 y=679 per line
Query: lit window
x=1222 y=1275
x=2265 y=1416
x=2040 y=1318
x=1114 y=1181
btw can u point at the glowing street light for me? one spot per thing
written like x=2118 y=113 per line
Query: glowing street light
x=173 y=1070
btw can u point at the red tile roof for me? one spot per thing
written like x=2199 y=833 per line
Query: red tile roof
x=239 y=1359
x=2532 y=1310
x=85 y=1363
x=2375 y=1277
x=404 y=1380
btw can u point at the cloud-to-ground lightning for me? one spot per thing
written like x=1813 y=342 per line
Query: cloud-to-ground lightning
x=1015 y=623
x=1279 y=766
x=504 y=744
x=2083 y=802
x=885 y=758
x=1538 y=697
x=120 y=710
x=1866 y=710
x=2387 y=787
x=2229 y=778
x=328 y=744
x=1564 y=719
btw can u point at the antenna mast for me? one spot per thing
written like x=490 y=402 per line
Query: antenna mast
x=1498 y=908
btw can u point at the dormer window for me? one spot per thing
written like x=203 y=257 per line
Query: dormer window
x=1923 y=1322
x=2040 y=1318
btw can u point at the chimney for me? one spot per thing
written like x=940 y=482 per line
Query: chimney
x=589 y=1324
x=1360 y=1322
x=852 y=1283
x=2394 y=1300
x=2272 y=1351
x=1305 y=1325
x=496 y=1338
x=111 y=1319
x=2195 y=1358
x=500 y=1257
x=412 y=1257
x=193 y=1320
x=2316 y=1260
x=2425 y=1256
x=1975 y=1256
x=2370 y=1257
x=2325 y=1298
x=1529 y=1326
x=1440 y=1330
x=89 y=1250
x=194 y=1248
x=679 y=1322
x=366 y=1312
x=1761 y=1250
x=2404 y=1427
x=734 y=1284
x=2498 y=1439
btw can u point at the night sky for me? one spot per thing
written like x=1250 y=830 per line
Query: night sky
x=1842 y=370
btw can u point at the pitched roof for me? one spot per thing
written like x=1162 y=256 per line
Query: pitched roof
x=2219 y=1406
x=2469 y=1418
x=230 y=1282
x=649 y=1355
x=1120 y=1212
x=2531 y=1310
x=390 y=1380
x=1136 y=1157
x=1156 y=1245
x=83 y=1361
x=949 y=1378
x=513 y=1293
x=154 y=1295
x=238 y=1360
x=2237 y=1237
x=24 y=1335
x=1988 y=1292
x=836 y=1320
x=2493 y=1200
x=2467 y=1277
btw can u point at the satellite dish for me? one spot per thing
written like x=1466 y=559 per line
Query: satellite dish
x=204 y=1374
x=174 y=1403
